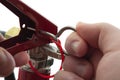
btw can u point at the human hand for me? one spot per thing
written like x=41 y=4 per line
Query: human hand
x=94 y=53
x=8 y=62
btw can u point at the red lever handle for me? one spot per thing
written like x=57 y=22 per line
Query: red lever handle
x=28 y=35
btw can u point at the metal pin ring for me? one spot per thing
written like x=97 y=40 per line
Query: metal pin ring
x=58 y=34
x=64 y=29
x=49 y=34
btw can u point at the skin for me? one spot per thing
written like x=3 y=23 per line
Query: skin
x=8 y=62
x=94 y=53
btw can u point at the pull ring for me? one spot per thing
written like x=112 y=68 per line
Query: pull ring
x=59 y=33
x=64 y=29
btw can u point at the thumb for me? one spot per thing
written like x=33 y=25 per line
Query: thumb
x=7 y=63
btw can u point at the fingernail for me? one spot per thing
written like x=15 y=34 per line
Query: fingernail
x=81 y=23
x=75 y=46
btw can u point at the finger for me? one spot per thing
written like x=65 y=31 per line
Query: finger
x=100 y=35
x=21 y=58
x=7 y=63
x=94 y=56
x=64 y=75
x=89 y=32
x=109 y=67
x=75 y=45
x=1 y=37
x=78 y=66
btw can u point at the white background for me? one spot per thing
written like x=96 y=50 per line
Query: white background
x=67 y=12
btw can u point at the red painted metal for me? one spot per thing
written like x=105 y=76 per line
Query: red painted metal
x=29 y=36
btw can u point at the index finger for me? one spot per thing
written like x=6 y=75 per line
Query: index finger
x=100 y=35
